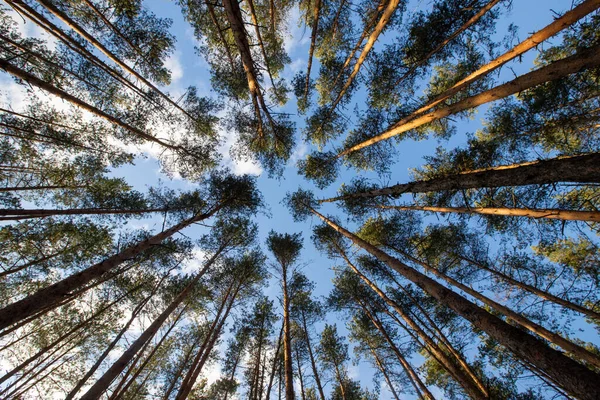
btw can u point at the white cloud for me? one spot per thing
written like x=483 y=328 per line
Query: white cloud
x=173 y=63
x=297 y=36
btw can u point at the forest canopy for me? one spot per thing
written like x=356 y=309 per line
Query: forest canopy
x=299 y=199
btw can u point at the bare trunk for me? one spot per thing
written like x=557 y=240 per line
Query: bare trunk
x=41 y=213
x=383 y=370
x=213 y=17
x=582 y=60
x=52 y=295
x=275 y=363
x=572 y=376
x=260 y=40
x=568 y=19
x=564 y=215
x=532 y=289
x=552 y=337
x=313 y=363
x=287 y=340
x=300 y=375
x=580 y=169
x=49 y=187
x=119 y=365
x=416 y=381
x=35 y=81
x=313 y=42
x=91 y=39
x=471 y=387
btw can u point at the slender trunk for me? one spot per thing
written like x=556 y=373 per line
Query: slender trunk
x=568 y=19
x=313 y=364
x=236 y=22
x=552 y=337
x=91 y=39
x=35 y=81
x=583 y=168
x=119 y=365
x=52 y=123
x=564 y=215
x=340 y=379
x=300 y=375
x=313 y=42
x=41 y=213
x=287 y=340
x=149 y=357
x=256 y=378
x=336 y=19
x=49 y=187
x=385 y=18
x=473 y=20
x=207 y=346
x=364 y=34
x=260 y=40
x=62 y=337
x=275 y=363
x=418 y=384
x=383 y=370
x=20 y=391
x=471 y=387
x=180 y=369
x=215 y=21
x=572 y=376
x=532 y=289
x=136 y=311
x=582 y=60
x=52 y=295
x=74 y=45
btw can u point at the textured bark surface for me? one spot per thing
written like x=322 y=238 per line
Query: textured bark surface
x=581 y=169
x=587 y=58
x=287 y=340
x=573 y=377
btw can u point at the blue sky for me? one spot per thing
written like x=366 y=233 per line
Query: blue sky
x=188 y=68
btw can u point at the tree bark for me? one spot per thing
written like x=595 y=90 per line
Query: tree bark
x=583 y=168
x=91 y=39
x=313 y=364
x=41 y=213
x=119 y=365
x=582 y=60
x=54 y=294
x=472 y=387
x=568 y=19
x=275 y=363
x=287 y=340
x=300 y=376
x=385 y=374
x=549 y=213
x=260 y=40
x=572 y=376
x=313 y=42
x=35 y=81
x=532 y=289
x=552 y=337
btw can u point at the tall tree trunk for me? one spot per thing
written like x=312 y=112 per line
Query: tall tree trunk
x=473 y=388
x=313 y=363
x=552 y=337
x=275 y=362
x=211 y=338
x=136 y=311
x=385 y=18
x=414 y=378
x=532 y=289
x=47 y=187
x=340 y=379
x=149 y=357
x=119 y=365
x=260 y=40
x=572 y=376
x=180 y=369
x=91 y=39
x=550 y=213
x=582 y=60
x=215 y=21
x=23 y=266
x=287 y=339
x=52 y=295
x=35 y=81
x=41 y=213
x=313 y=42
x=559 y=24
x=580 y=168
x=62 y=337
x=300 y=375
x=472 y=21
x=383 y=370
